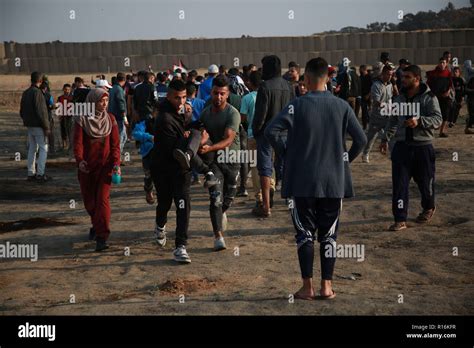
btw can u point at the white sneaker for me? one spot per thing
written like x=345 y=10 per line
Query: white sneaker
x=219 y=244
x=224 y=222
x=160 y=235
x=181 y=255
x=365 y=158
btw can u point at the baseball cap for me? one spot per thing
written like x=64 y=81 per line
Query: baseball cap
x=213 y=69
x=102 y=83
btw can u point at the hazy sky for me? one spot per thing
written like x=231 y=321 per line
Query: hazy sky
x=110 y=20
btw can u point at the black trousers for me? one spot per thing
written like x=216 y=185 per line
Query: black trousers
x=358 y=105
x=417 y=162
x=199 y=163
x=310 y=215
x=244 y=167
x=146 y=164
x=470 y=109
x=222 y=195
x=445 y=106
x=364 y=105
x=173 y=187
x=456 y=107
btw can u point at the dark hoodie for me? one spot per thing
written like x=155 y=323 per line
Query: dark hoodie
x=169 y=134
x=272 y=96
x=429 y=118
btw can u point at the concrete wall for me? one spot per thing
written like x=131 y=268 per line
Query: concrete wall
x=420 y=47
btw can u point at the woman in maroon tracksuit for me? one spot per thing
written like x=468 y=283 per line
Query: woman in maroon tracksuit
x=97 y=153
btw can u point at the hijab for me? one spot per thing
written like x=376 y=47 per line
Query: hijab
x=99 y=125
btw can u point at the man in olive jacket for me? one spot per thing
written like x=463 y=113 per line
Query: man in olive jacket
x=34 y=113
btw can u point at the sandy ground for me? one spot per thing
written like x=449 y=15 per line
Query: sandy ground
x=259 y=270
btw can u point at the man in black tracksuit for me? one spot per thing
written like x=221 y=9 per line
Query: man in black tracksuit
x=172 y=182
x=413 y=154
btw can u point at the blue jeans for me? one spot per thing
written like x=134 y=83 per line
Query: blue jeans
x=123 y=138
x=37 y=141
x=264 y=156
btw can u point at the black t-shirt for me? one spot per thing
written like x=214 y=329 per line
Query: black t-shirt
x=458 y=84
x=80 y=94
x=365 y=84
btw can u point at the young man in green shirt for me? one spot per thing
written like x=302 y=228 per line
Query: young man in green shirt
x=221 y=122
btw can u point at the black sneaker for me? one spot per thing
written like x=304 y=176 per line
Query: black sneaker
x=92 y=233
x=43 y=178
x=242 y=193
x=183 y=158
x=210 y=180
x=31 y=178
x=101 y=245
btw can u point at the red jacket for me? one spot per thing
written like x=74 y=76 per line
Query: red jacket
x=97 y=152
x=439 y=81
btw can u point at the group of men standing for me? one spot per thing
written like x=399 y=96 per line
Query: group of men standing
x=303 y=128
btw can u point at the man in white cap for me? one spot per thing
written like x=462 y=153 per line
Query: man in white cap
x=204 y=92
x=104 y=84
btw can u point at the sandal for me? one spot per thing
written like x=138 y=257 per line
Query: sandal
x=260 y=212
x=297 y=296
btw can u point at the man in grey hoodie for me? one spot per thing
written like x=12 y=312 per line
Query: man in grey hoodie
x=381 y=94
x=316 y=175
x=413 y=154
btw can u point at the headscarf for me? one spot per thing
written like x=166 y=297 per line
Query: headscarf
x=99 y=125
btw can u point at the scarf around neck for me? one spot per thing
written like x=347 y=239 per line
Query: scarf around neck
x=99 y=125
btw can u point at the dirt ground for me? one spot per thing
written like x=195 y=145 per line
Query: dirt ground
x=258 y=271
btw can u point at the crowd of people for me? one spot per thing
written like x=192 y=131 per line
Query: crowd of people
x=187 y=127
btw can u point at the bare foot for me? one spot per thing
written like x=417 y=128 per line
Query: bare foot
x=326 y=292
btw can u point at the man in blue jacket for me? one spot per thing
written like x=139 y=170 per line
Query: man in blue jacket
x=205 y=88
x=317 y=174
